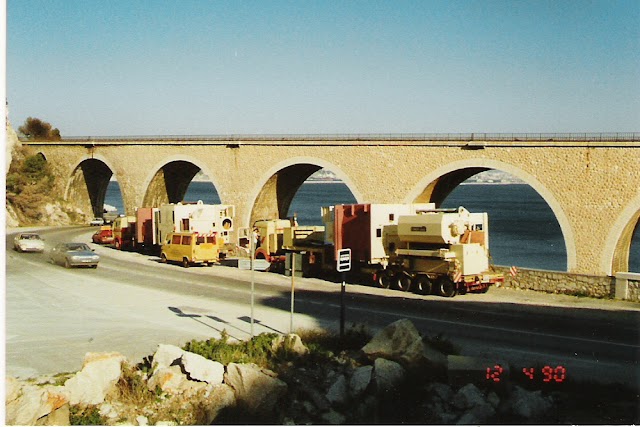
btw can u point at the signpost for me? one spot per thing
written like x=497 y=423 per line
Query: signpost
x=293 y=275
x=343 y=265
x=252 y=253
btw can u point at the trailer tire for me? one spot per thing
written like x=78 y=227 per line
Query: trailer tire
x=185 y=262
x=384 y=279
x=448 y=287
x=403 y=281
x=423 y=285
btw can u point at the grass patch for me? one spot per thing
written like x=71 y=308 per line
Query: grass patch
x=85 y=416
x=325 y=341
x=132 y=387
x=322 y=345
x=256 y=350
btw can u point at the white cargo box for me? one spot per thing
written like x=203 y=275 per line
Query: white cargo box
x=473 y=258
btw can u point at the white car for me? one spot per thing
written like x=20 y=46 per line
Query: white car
x=96 y=221
x=28 y=242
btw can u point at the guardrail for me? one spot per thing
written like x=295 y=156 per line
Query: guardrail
x=513 y=137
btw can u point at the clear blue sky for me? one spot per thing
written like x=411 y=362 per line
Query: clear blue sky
x=121 y=67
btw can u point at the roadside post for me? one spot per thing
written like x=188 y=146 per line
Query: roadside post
x=293 y=275
x=343 y=265
x=252 y=254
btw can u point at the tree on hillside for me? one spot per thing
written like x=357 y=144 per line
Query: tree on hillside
x=38 y=130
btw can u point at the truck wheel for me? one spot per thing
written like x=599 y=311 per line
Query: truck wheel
x=384 y=279
x=423 y=284
x=447 y=287
x=163 y=258
x=185 y=262
x=403 y=281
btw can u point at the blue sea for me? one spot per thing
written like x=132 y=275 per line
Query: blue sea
x=523 y=229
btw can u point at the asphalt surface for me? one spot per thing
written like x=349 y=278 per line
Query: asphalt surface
x=131 y=303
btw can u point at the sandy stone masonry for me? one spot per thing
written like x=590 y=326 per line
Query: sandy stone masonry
x=593 y=188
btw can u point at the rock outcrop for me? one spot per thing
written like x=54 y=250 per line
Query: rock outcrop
x=401 y=342
x=99 y=375
x=376 y=387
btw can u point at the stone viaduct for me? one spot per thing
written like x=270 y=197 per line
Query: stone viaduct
x=591 y=182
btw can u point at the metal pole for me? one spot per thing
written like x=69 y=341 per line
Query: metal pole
x=342 y=305
x=293 y=275
x=252 y=253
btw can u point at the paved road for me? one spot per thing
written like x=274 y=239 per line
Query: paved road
x=132 y=303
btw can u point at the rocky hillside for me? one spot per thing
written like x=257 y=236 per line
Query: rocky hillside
x=397 y=377
x=29 y=183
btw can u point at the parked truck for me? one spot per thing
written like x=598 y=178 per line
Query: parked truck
x=149 y=228
x=124 y=232
x=438 y=250
x=153 y=224
x=146 y=235
x=196 y=217
x=405 y=246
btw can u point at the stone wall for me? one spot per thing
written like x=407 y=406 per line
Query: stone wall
x=558 y=282
x=627 y=286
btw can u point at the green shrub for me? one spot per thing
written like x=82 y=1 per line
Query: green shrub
x=85 y=416
x=29 y=183
x=256 y=350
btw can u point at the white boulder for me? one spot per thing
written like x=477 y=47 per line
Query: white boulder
x=99 y=375
x=256 y=390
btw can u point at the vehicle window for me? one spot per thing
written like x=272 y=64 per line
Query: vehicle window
x=175 y=240
x=211 y=239
x=186 y=240
x=200 y=240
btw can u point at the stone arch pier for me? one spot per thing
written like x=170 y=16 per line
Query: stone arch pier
x=591 y=184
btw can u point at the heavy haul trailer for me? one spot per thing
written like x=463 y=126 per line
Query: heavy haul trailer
x=404 y=246
x=441 y=250
x=358 y=227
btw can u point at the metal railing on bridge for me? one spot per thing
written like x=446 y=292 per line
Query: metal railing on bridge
x=512 y=137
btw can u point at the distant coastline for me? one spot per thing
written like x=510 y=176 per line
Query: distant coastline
x=324 y=181
x=494 y=183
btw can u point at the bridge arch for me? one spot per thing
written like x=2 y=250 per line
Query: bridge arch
x=86 y=187
x=168 y=180
x=615 y=256
x=272 y=196
x=435 y=186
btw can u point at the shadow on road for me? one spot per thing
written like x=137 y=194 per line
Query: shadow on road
x=226 y=324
